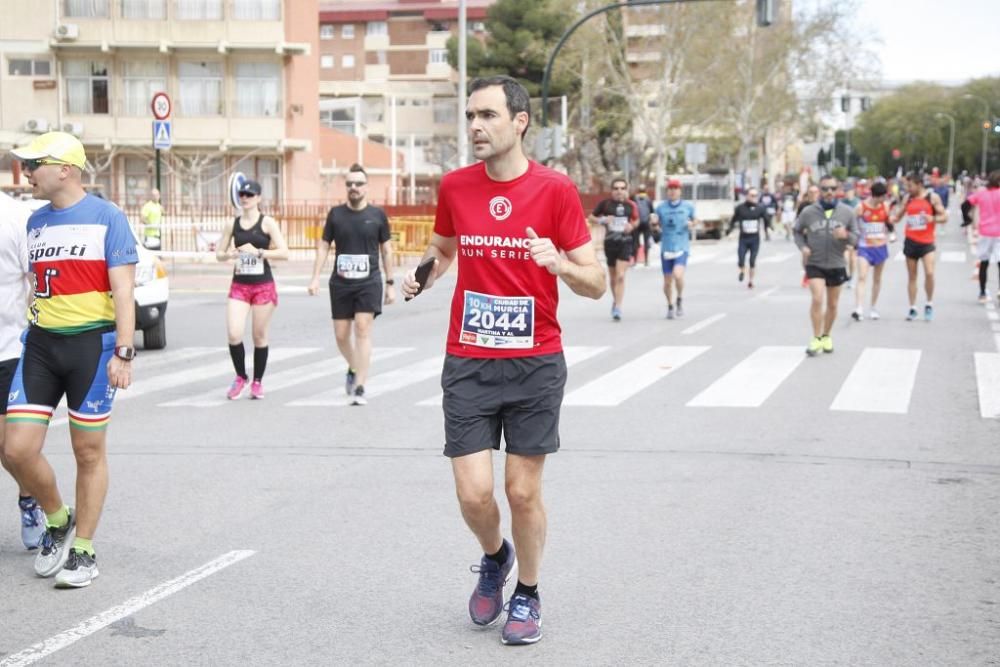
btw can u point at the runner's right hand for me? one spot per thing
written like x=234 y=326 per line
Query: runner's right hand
x=410 y=285
x=314 y=287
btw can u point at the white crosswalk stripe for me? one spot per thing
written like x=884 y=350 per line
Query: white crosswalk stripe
x=291 y=377
x=880 y=381
x=777 y=259
x=954 y=256
x=153 y=360
x=629 y=379
x=574 y=354
x=379 y=384
x=988 y=384
x=750 y=382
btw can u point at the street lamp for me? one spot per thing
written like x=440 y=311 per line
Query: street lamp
x=951 y=141
x=986 y=105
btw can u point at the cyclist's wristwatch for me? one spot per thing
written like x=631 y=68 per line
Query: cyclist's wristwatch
x=125 y=353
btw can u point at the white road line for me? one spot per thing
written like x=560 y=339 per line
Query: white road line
x=383 y=383
x=749 y=383
x=145 y=360
x=574 y=354
x=325 y=368
x=993 y=316
x=629 y=379
x=988 y=383
x=880 y=381
x=170 y=380
x=767 y=293
x=97 y=623
x=695 y=258
x=954 y=256
x=777 y=259
x=707 y=322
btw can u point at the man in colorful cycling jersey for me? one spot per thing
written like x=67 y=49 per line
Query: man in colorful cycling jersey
x=873 y=251
x=78 y=345
x=921 y=211
x=673 y=220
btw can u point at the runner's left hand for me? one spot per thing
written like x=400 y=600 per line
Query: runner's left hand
x=119 y=373
x=543 y=252
x=390 y=295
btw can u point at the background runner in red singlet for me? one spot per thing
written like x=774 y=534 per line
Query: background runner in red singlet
x=921 y=210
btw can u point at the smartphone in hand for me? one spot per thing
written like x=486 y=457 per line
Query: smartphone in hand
x=422 y=273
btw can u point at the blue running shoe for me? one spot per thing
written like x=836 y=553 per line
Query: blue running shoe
x=928 y=312
x=616 y=314
x=32 y=523
x=486 y=602
x=349 y=382
x=524 y=621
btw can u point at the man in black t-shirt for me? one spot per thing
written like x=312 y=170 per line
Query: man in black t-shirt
x=359 y=233
x=619 y=216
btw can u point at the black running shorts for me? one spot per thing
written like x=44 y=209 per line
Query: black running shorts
x=832 y=277
x=520 y=397
x=7 y=369
x=346 y=300
x=914 y=250
x=616 y=250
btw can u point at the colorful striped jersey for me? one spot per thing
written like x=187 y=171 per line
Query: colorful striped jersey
x=70 y=251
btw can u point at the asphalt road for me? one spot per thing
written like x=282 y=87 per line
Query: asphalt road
x=719 y=498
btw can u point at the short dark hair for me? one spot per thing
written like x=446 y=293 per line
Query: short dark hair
x=516 y=95
x=879 y=189
x=618 y=180
x=994 y=180
x=915 y=177
x=357 y=167
x=829 y=177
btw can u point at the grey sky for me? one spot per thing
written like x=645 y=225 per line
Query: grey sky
x=935 y=40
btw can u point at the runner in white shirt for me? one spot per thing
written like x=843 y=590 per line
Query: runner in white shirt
x=15 y=287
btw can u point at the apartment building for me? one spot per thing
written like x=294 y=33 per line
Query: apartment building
x=384 y=73
x=242 y=76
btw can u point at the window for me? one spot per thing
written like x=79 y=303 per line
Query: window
x=381 y=58
x=347 y=61
x=138 y=180
x=326 y=31
x=339 y=119
x=199 y=10
x=347 y=31
x=200 y=88
x=269 y=177
x=439 y=26
x=378 y=28
x=258 y=89
x=86 y=86
x=86 y=9
x=144 y=9
x=445 y=110
x=478 y=26
x=420 y=102
x=257 y=10
x=204 y=186
x=28 y=67
x=439 y=55
x=326 y=62
x=374 y=110
x=142 y=78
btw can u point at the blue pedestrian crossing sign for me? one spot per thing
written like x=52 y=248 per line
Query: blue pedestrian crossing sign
x=162 y=134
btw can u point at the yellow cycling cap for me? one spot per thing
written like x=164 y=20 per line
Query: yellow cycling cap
x=54 y=145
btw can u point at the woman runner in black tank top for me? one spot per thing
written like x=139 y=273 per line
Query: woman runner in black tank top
x=253 y=290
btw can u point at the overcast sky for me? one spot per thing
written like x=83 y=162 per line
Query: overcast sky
x=939 y=40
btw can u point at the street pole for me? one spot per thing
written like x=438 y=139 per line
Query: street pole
x=463 y=133
x=986 y=106
x=951 y=142
x=157 y=170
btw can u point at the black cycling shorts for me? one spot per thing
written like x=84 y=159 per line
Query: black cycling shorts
x=618 y=250
x=53 y=365
x=748 y=244
x=7 y=369
x=832 y=277
x=914 y=250
x=346 y=300
x=519 y=397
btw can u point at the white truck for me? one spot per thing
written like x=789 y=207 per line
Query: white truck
x=714 y=197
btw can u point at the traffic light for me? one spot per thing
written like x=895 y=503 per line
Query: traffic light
x=765 y=13
x=996 y=126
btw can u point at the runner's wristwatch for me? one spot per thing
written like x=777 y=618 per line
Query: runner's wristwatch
x=390 y=281
x=125 y=353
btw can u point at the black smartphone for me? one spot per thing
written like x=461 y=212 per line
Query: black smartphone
x=422 y=273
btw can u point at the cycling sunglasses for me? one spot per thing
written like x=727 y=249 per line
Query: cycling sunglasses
x=35 y=163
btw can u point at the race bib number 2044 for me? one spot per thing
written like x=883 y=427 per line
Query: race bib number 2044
x=498 y=321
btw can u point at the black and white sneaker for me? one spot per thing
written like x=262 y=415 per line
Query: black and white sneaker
x=55 y=549
x=80 y=569
x=359 y=396
x=349 y=381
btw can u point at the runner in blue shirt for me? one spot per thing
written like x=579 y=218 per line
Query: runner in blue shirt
x=673 y=220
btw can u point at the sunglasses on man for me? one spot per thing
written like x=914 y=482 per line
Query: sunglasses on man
x=356 y=184
x=34 y=164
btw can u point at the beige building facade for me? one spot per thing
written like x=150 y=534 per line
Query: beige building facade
x=242 y=76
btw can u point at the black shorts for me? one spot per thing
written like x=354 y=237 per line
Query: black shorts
x=748 y=244
x=618 y=250
x=833 y=277
x=520 y=397
x=53 y=365
x=346 y=300
x=7 y=369
x=915 y=250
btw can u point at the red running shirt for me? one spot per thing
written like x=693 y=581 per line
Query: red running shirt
x=919 y=220
x=504 y=304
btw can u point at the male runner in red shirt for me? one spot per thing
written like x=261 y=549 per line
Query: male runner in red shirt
x=509 y=220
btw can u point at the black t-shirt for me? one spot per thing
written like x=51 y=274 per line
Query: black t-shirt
x=357 y=237
x=621 y=213
x=768 y=201
x=250 y=269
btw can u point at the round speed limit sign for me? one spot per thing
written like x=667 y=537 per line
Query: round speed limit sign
x=161 y=106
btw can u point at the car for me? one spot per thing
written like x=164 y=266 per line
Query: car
x=151 y=293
